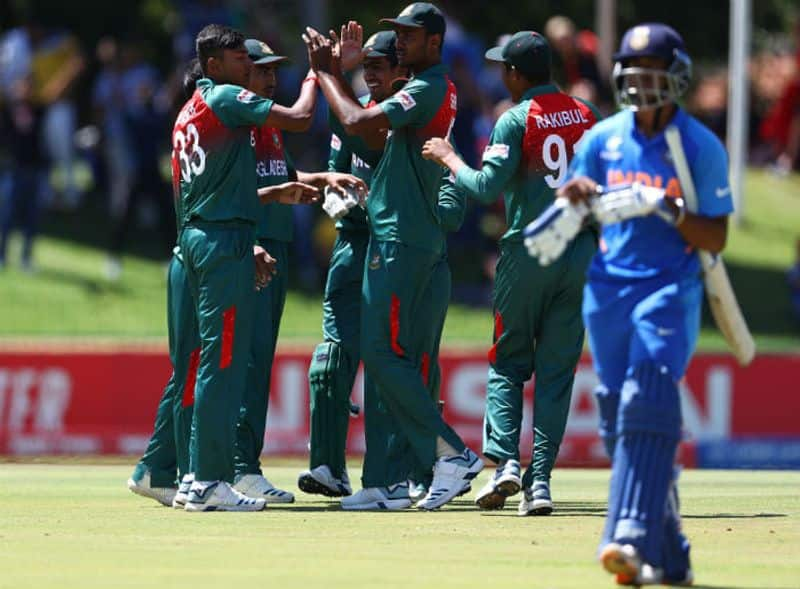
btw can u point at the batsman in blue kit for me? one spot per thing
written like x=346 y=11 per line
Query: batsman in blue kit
x=642 y=301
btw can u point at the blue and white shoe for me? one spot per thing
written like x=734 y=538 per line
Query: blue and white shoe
x=451 y=475
x=142 y=487
x=504 y=483
x=416 y=491
x=257 y=486
x=320 y=481
x=536 y=500
x=393 y=497
x=179 y=502
x=220 y=496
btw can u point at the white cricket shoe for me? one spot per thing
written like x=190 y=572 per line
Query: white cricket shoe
x=536 y=500
x=503 y=484
x=163 y=495
x=257 y=486
x=393 y=497
x=451 y=475
x=220 y=496
x=179 y=502
x=320 y=481
x=416 y=491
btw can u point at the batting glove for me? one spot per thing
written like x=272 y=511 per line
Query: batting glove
x=548 y=236
x=635 y=200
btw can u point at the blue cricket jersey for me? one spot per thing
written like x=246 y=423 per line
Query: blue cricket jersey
x=615 y=152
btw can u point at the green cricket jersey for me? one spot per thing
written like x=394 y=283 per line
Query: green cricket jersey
x=343 y=158
x=403 y=203
x=528 y=155
x=273 y=167
x=213 y=161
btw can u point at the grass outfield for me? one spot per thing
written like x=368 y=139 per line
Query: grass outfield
x=70 y=297
x=76 y=526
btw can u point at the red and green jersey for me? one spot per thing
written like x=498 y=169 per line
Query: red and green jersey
x=346 y=156
x=403 y=202
x=273 y=167
x=213 y=161
x=528 y=155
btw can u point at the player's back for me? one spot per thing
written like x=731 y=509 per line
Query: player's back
x=551 y=124
x=213 y=158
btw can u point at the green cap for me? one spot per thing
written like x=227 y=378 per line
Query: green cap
x=422 y=15
x=261 y=53
x=527 y=51
x=383 y=44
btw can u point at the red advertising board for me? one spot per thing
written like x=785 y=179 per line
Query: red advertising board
x=92 y=403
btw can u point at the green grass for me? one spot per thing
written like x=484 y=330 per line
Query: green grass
x=75 y=526
x=70 y=297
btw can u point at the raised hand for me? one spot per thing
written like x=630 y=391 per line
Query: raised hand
x=349 y=45
x=320 y=50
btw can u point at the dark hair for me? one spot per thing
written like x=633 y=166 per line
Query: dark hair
x=538 y=79
x=190 y=77
x=213 y=39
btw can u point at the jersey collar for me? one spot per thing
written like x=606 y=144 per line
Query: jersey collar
x=539 y=90
x=435 y=70
x=678 y=119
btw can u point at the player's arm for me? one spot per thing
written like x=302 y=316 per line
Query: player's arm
x=501 y=160
x=355 y=119
x=452 y=204
x=337 y=180
x=299 y=116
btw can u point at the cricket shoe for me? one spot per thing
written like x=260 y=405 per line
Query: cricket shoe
x=393 y=497
x=257 y=486
x=220 y=496
x=163 y=495
x=451 y=475
x=179 y=502
x=416 y=491
x=320 y=481
x=504 y=483
x=536 y=500
x=649 y=575
x=623 y=561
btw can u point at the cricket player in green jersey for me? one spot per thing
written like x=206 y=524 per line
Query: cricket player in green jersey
x=538 y=326
x=330 y=379
x=335 y=361
x=405 y=246
x=274 y=234
x=213 y=149
x=168 y=448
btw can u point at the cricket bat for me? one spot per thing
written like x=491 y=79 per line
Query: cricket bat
x=719 y=292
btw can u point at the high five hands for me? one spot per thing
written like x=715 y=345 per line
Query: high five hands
x=343 y=51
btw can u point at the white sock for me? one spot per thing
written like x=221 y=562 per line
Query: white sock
x=443 y=449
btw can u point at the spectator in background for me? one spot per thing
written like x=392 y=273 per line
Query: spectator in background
x=21 y=129
x=56 y=64
x=575 y=60
x=793 y=277
x=145 y=124
x=781 y=127
x=108 y=98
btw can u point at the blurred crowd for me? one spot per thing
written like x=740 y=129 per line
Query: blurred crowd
x=86 y=123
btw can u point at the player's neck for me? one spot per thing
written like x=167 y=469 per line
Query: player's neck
x=426 y=63
x=653 y=121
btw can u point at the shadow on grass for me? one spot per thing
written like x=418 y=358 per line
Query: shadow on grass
x=93 y=286
x=733 y=515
